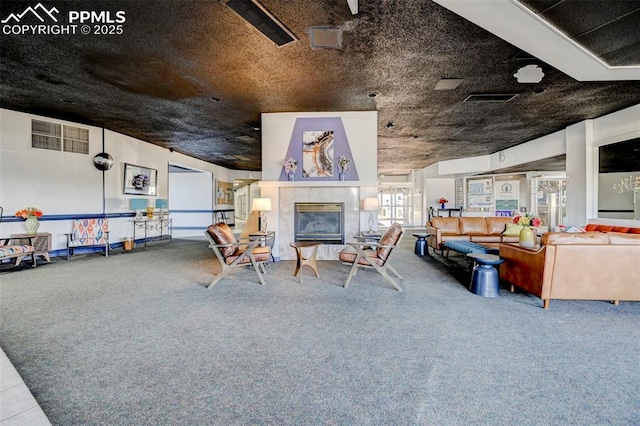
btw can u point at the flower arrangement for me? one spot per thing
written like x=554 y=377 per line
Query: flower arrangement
x=343 y=163
x=528 y=220
x=443 y=201
x=29 y=212
x=290 y=165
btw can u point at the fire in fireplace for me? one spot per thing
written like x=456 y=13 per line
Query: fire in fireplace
x=319 y=222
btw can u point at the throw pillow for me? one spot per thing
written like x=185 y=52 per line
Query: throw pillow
x=512 y=230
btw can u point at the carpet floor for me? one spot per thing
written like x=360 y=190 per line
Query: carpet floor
x=137 y=339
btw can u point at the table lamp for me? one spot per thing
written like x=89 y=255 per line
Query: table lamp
x=261 y=205
x=370 y=205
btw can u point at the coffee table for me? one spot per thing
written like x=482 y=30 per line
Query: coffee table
x=301 y=260
x=470 y=247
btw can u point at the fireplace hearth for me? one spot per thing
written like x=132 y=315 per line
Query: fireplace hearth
x=322 y=222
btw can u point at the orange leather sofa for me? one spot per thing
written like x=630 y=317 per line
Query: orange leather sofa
x=583 y=266
x=475 y=229
x=611 y=228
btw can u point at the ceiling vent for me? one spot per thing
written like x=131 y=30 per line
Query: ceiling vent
x=325 y=37
x=448 y=83
x=262 y=20
x=490 y=97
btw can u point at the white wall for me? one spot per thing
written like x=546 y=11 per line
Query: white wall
x=579 y=142
x=62 y=183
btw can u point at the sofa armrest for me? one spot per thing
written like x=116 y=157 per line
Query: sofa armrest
x=434 y=240
x=523 y=267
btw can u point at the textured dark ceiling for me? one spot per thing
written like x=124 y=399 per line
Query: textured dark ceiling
x=193 y=76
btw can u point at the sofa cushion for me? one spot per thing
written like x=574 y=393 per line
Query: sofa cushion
x=558 y=238
x=623 y=229
x=512 y=229
x=634 y=231
x=473 y=226
x=510 y=238
x=598 y=227
x=447 y=225
x=485 y=238
x=623 y=238
x=496 y=225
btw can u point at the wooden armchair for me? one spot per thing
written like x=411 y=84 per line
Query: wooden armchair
x=374 y=255
x=232 y=253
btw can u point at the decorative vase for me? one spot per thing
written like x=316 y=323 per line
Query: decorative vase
x=341 y=176
x=442 y=206
x=292 y=176
x=527 y=237
x=32 y=223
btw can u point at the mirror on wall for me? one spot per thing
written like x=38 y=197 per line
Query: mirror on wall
x=619 y=180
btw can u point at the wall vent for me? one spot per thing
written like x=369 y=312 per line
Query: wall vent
x=490 y=97
x=45 y=135
x=262 y=20
x=76 y=140
x=56 y=137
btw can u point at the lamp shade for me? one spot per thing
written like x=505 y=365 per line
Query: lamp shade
x=370 y=204
x=261 y=204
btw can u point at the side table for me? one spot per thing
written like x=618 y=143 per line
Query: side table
x=484 y=278
x=267 y=238
x=421 y=244
x=301 y=260
x=41 y=243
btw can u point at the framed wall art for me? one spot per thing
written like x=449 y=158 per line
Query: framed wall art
x=139 y=180
x=317 y=153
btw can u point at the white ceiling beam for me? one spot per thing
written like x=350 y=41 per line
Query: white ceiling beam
x=518 y=25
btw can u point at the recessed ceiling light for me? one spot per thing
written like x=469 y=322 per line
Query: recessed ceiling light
x=372 y=94
x=389 y=125
x=66 y=101
x=214 y=99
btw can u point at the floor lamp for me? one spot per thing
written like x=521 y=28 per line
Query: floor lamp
x=370 y=205
x=261 y=205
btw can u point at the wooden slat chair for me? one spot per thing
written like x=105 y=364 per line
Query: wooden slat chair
x=232 y=253
x=374 y=255
x=87 y=233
